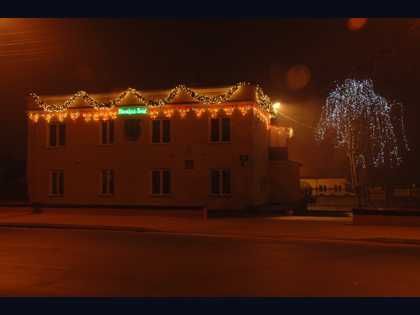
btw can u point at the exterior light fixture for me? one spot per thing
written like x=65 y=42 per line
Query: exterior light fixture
x=276 y=107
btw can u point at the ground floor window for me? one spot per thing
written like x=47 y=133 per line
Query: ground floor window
x=220 y=182
x=57 y=183
x=161 y=182
x=107 y=182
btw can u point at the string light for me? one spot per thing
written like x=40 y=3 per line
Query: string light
x=365 y=124
x=228 y=111
x=87 y=117
x=153 y=113
x=199 y=112
x=105 y=111
x=243 y=110
x=74 y=115
x=168 y=113
x=182 y=112
x=213 y=112
x=262 y=99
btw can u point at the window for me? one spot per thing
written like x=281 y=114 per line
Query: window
x=107 y=182
x=220 y=129
x=56 y=134
x=107 y=132
x=220 y=182
x=189 y=164
x=161 y=182
x=132 y=129
x=161 y=131
x=57 y=183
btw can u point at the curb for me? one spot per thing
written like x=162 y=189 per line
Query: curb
x=76 y=227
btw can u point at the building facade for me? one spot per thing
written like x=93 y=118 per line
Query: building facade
x=213 y=147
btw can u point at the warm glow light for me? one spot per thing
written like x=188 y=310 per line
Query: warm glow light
x=108 y=113
x=356 y=24
x=276 y=107
x=298 y=77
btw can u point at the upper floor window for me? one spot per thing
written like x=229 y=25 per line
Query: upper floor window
x=56 y=134
x=220 y=182
x=161 y=182
x=132 y=129
x=107 y=182
x=220 y=129
x=161 y=131
x=57 y=183
x=107 y=132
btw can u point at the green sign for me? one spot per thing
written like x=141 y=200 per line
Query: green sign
x=139 y=110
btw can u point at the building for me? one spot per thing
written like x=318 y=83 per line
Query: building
x=314 y=186
x=209 y=147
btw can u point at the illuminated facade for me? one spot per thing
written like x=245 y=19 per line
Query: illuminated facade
x=210 y=147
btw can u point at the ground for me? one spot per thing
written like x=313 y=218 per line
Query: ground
x=56 y=262
x=129 y=253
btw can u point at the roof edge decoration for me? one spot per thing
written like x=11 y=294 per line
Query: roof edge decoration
x=261 y=98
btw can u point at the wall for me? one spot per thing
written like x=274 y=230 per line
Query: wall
x=259 y=163
x=83 y=158
x=284 y=182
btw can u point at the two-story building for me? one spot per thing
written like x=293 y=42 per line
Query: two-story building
x=211 y=147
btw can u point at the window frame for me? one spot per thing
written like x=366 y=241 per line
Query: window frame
x=161 y=177
x=162 y=133
x=221 y=182
x=220 y=131
x=59 y=181
x=108 y=132
x=60 y=134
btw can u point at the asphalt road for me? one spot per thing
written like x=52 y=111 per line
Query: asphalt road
x=53 y=262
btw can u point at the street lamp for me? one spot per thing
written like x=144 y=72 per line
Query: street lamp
x=276 y=107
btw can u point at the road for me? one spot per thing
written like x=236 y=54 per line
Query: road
x=54 y=262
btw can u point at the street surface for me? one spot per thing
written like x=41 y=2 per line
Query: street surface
x=64 y=262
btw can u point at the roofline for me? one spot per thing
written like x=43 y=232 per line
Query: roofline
x=212 y=88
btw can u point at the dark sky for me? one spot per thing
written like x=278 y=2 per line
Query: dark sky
x=67 y=55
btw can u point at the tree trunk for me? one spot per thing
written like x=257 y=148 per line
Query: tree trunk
x=355 y=180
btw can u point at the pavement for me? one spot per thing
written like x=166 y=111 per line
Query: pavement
x=102 y=263
x=336 y=229
x=129 y=253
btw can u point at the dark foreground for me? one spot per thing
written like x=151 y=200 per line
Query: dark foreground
x=47 y=262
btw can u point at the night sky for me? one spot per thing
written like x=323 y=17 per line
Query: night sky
x=296 y=61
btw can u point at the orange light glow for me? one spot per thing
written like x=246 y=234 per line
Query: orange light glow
x=355 y=24
x=298 y=77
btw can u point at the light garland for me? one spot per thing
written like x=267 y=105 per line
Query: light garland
x=364 y=124
x=262 y=99
x=166 y=112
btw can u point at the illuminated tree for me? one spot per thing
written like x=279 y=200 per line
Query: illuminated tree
x=367 y=126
